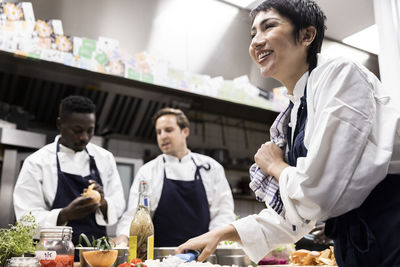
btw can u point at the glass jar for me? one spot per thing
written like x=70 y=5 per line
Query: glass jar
x=23 y=262
x=55 y=248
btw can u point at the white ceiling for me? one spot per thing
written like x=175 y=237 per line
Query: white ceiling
x=344 y=17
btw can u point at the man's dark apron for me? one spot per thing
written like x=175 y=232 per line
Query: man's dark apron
x=70 y=186
x=182 y=211
x=368 y=236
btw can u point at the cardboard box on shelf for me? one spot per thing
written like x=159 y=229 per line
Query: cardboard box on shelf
x=16 y=25
x=18 y=18
x=84 y=47
x=48 y=41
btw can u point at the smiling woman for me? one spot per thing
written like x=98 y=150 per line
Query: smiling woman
x=282 y=49
x=276 y=51
x=334 y=152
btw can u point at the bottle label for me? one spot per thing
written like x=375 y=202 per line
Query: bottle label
x=46 y=255
x=132 y=247
x=150 y=247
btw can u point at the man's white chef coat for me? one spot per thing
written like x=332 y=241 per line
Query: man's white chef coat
x=352 y=136
x=36 y=186
x=217 y=189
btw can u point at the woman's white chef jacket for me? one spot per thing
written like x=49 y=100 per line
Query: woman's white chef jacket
x=36 y=186
x=217 y=189
x=352 y=136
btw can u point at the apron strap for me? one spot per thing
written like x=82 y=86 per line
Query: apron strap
x=205 y=166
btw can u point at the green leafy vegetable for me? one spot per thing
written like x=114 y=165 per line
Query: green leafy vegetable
x=17 y=240
x=100 y=243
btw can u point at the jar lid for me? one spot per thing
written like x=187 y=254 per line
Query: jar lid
x=57 y=229
x=23 y=262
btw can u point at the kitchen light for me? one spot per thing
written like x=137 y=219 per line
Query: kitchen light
x=366 y=39
x=247 y=4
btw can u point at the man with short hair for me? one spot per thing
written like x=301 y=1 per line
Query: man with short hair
x=53 y=178
x=189 y=193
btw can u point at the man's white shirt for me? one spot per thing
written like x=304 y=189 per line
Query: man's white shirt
x=36 y=186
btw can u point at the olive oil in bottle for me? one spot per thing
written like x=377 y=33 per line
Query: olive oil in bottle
x=141 y=234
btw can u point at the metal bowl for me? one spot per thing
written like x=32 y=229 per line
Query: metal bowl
x=122 y=257
x=162 y=252
x=232 y=256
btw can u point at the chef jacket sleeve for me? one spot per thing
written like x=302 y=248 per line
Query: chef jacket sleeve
x=263 y=232
x=28 y=195
x=113 y=193
x=343 y=164
x=221 y=202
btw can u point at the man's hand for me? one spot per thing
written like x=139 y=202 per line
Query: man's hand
x=103 y=202
x=79 y=208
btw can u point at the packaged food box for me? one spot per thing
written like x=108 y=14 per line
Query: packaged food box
x=17 y=21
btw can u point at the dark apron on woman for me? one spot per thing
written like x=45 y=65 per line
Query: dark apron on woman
x=182 y=211
x=296 y=147
x=368 y=236
x=69 y=187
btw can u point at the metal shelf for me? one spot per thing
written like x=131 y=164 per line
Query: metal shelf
x=125 y=106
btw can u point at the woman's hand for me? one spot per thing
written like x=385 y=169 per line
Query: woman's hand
x=269 y=158
x=208 y=242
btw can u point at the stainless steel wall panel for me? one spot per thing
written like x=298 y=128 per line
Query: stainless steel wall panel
x=21 y=138
x=8 y=175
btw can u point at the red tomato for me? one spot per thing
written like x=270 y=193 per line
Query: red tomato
x=125 y=264
x=136 y=261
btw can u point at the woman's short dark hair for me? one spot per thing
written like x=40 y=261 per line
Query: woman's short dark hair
x=181 y=118
x=302 y=14
x=76 y=104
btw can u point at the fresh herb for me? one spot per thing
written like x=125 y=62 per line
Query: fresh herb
x=17 y=240
x=100 y=243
